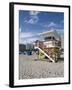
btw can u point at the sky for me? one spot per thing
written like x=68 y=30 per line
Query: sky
x=31 y=23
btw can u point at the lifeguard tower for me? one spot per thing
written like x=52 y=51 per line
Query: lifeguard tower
x=49 y=46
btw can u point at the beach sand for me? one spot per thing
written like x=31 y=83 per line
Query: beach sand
x=30 y=68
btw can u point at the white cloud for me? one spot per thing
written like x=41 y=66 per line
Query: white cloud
x=19 y=29
x=52 y=24
x=34 y=13
x=27 y=40
x=33 y=17
x=25 y=35
x=21 y=41
x=60 y=31
x=32 y=20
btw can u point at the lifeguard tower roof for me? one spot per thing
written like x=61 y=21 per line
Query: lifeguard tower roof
x=50 y=33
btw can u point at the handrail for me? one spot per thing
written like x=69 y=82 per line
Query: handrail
x=45 y=53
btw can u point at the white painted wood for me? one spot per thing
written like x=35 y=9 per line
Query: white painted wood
x=44 y=53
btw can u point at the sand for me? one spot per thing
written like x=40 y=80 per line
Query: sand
x=30 y=68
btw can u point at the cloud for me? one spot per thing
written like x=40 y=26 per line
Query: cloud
x=51 y=24
x=54 y=25
x=25 y=35
x=60 y=31
x=19 y=29
x=27 y=38
x=33 y=19
x=34 y=13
